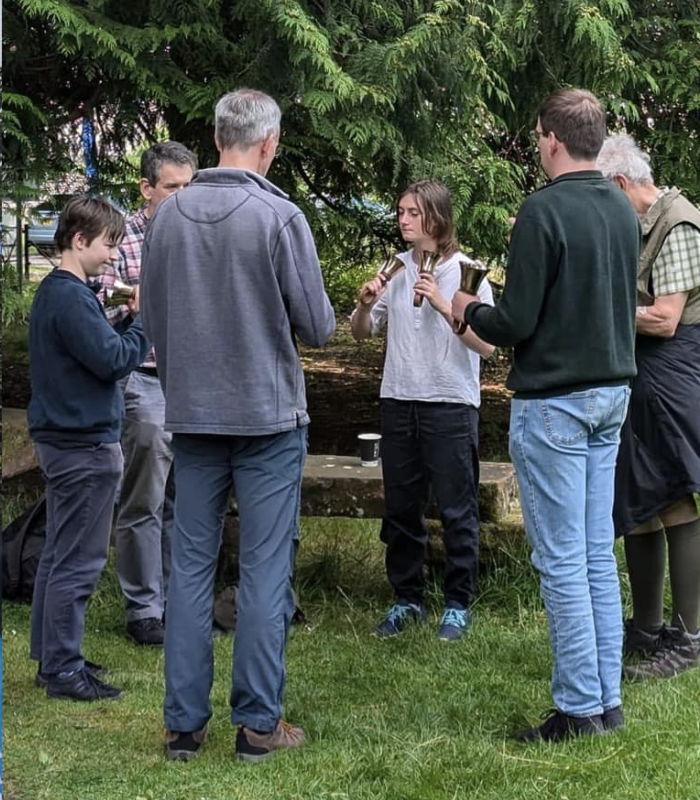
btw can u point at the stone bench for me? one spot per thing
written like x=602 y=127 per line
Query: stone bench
x=333 y=486
x=338 y=486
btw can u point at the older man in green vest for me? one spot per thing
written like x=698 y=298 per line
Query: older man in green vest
x=658 y=468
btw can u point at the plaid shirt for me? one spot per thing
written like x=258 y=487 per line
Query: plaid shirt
x=677 y=266
x=128 y=270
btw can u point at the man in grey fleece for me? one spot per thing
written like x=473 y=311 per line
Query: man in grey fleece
x=230 y=280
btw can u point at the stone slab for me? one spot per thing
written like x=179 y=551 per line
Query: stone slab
x=333 y=486
x=338 y=486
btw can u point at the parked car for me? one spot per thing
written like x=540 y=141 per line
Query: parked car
x=43 y=219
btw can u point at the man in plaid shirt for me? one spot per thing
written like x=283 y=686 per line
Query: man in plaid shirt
x=142 y=540
x=658 y=467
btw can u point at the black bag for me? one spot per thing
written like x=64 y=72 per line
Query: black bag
x=22 y=542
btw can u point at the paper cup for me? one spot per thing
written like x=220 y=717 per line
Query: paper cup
x=369 y=449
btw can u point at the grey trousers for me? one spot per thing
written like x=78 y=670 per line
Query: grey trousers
x=81 y=482
x=144 y=518
x=266 y=473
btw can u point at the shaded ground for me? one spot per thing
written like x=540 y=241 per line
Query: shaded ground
x=342 y=383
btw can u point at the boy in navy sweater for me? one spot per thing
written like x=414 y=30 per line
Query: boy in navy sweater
x=74 y=416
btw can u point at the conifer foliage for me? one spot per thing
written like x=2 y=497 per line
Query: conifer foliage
x=374 y=92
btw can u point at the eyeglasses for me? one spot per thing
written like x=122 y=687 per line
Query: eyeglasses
x=536 y=135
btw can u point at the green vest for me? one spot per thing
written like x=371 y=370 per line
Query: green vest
x=669 y=210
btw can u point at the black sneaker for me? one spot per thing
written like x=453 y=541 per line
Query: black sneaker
x=678 y=652
x=80 y=685
x=613 y=719
x=184 y=745
x=559 y=726
x=398 y=617
x=639 y=642
x=41 y=679
x=149 y=631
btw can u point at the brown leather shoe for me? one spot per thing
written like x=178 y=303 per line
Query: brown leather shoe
x=184 y=745
x=255 y=747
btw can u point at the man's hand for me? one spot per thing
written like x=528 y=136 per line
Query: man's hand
x=426 y=287
x=133 y=301
x=460 y=301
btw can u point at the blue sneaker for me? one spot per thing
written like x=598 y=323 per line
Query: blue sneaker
x=454 y=623
x=398 y=616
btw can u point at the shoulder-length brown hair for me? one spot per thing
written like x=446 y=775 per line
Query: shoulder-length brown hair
x=433 y=197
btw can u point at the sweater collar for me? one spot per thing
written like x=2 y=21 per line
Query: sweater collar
x=94 y=284
x=582 y=175
x=225 y=176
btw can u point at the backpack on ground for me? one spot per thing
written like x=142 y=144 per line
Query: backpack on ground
x=22 y=543
x=226 y=610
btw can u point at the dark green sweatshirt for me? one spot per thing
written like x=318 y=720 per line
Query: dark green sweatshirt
x=568 y=305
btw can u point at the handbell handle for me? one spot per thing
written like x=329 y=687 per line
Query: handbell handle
x=390 y=266
x=459 y=326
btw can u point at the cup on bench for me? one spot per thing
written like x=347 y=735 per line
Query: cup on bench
x=369 y=449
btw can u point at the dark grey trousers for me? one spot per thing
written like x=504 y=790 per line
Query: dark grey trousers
x=81 y=483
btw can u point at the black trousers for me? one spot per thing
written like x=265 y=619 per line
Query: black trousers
x=430 y=445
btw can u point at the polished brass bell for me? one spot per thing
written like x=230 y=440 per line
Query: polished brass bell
x=429 y=261
x=119 y=294
x=472 y=273
x=391 y=265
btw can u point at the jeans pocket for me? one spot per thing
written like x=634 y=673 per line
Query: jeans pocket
x=568 y=419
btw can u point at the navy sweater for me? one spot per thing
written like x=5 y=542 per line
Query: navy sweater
x=75 y=361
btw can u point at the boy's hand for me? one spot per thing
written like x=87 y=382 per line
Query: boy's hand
x=133 y=301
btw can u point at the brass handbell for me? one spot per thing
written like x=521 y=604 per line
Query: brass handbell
x=472 y=273
x=119 y=294
x=429 y=260
x=391 y=265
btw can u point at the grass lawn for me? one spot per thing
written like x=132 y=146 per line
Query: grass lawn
x=411 y=718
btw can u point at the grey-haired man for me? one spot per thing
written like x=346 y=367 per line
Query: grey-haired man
x=231 y=280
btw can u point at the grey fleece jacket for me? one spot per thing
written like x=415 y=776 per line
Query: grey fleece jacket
x=229 y=279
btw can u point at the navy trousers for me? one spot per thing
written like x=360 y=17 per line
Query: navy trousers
x=430 y=445
x=81 y=484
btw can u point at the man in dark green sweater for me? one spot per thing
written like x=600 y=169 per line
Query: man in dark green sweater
x=568 y=310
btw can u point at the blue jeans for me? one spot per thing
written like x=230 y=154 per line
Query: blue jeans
x=265 y=473
x=564 y=451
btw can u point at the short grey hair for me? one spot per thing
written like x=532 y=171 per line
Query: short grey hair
x=620 y=155
x=244 y=118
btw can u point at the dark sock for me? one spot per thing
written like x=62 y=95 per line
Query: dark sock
x=684 y=571
x=646 y=564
